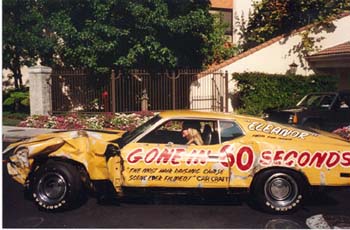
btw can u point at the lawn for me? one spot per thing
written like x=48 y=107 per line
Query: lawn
x=13 y=119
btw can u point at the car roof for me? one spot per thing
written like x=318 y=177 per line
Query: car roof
x=202 y=115
x=194 y=113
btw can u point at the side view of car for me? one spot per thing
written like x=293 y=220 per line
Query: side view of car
x=327 y=111
x=277 y=164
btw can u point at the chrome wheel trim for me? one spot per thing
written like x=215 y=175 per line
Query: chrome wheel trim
x=281 y=190
x=51 y=188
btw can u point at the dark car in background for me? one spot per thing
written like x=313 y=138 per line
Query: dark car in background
x=327 y=111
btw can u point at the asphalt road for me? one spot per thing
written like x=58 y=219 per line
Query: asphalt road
x=168 y=212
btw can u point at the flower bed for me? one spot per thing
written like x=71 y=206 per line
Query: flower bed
x=119 y=121
x=343 y=132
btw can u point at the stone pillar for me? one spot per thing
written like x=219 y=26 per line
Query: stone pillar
x=40 y=90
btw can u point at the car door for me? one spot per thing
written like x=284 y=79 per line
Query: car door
x=239 y=150
x=161 y=158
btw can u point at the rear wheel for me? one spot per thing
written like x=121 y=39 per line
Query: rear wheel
x=279 y=190
x=56 y=185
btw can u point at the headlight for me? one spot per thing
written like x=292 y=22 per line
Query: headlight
x=20 y=158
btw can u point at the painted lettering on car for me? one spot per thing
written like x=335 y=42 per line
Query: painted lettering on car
x=279 y=131
x=242 y=158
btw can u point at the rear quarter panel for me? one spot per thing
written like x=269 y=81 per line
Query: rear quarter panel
x=320 y=158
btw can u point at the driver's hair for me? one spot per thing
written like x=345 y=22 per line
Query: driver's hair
x=194 y=137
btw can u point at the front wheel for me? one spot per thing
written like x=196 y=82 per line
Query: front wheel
x=56 y=185
x=278 y=190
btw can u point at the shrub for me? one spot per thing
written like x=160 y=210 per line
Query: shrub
x=16 y=100
x=260 y=91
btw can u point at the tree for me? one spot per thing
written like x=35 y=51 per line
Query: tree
x=220 y=48
x=99 y=35
x=271 y=18
x=24 y=41
x=152 y=34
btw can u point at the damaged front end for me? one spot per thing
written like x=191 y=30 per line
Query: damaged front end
x=86 y=148
x=20 y=156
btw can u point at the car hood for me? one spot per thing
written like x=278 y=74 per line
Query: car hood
x=104 y=135
x=287 y=110
x=294 y=110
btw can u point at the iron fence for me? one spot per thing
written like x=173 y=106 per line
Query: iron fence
x=78 y=90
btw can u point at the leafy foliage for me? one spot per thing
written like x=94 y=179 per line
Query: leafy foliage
x=23 y=36
x=259 y=91
x=16 y=100
x=148 y=34
x=271 y=18
x=98 y=35
x=220 y=49
x=21 y=97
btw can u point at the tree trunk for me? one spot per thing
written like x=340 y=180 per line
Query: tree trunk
x=18 y=80
x=17 y=73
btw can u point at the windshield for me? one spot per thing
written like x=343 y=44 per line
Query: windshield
x=129 y=136
x=317 y=100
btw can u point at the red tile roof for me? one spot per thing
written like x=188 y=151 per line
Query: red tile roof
x=343 y=48
x=222 y=4
x=216 y=67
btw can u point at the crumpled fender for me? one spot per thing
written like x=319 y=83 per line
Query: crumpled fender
x=87 y=148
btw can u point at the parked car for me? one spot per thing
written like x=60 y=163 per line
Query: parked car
x=277 y=164
x=327 y=111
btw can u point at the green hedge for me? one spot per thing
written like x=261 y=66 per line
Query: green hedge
x=260 y=91
x=16 y=100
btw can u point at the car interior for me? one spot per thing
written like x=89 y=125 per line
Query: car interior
x=171 y=132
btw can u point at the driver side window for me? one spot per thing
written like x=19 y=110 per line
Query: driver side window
x=168 y=132
x=184 y=132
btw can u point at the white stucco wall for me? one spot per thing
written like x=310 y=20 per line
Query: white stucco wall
x=241 y=8
x=206 y=92
x=25 y=75
x=276 y=58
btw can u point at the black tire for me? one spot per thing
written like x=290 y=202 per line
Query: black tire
x=56 y=185
x=278 y=190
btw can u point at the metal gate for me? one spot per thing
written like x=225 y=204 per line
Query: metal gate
x=210 y=92
x=78 y=90
x=136 y=90
x=141 y=90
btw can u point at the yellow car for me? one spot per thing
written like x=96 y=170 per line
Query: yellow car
x=277 y=164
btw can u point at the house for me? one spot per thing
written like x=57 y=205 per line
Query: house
x=277 y=55
x=232 y=12
x=334 y=60
x=224 y=8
